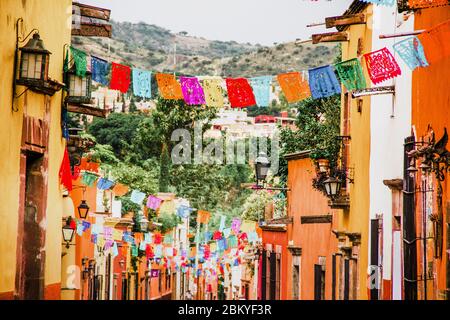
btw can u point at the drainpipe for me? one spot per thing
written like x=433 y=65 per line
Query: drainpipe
x=409 y=227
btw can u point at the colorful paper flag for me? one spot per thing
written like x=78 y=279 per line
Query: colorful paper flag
x=261 y=90
x=168 y=86
x=240 y=93
x=192 y=91
x=79 y=61
x=120 y=190
x=203 y=216
x=137 y=197
x=153 y=202
x=100 y=70
x=65 y=173
x=222 y=222
x=142 y=83
x=323 y=82
x=381 y=65
x=104 y=184
x=412 y=53
x=213 y=91
x=351 y=74
x=435 y=42
x=120 y=77
x=236 y=225
x=294 y=86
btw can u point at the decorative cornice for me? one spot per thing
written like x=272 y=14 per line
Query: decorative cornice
x=274 y=228
x=325 y=218
x=394 y=184
x=284 y=220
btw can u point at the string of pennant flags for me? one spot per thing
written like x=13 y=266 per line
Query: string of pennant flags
x=321 y=82
x=216 y=249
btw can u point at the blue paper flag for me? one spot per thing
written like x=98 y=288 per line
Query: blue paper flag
x=411 y=51
x=104 y=184
x=381 y=2
x=184 y=211
x=142 y=83
x=137 y=196
x=261 y=90
x=323 y=82
x=100 y=70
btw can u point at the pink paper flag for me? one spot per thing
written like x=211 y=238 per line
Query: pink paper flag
x=192 y=91
x=153 y=202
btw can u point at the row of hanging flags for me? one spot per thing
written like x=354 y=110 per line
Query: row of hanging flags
x=413 y=4
x=217 y=249
x=416 y=51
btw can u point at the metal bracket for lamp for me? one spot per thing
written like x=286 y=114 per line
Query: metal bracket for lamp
x=263 y=187
x=19 y=40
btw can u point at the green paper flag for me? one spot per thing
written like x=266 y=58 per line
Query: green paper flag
x=88 y=178
x=351 y=75
x=80 y=62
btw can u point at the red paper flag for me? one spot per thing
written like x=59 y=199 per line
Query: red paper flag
x=240 y=93
x=120 y=77
x=381 y=65
x=65 y=174
x=157 y=238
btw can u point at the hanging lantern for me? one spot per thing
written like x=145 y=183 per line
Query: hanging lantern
x=83 y=209
x=68 y=231
x=332 y=187
x=34 y=63
x=262 y=165
x=79 y=88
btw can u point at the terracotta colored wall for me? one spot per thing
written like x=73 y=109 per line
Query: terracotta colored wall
x=431 y=102
x=314 y=239
x=278 y=238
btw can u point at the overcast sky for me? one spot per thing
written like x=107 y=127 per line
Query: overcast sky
x=254 y=21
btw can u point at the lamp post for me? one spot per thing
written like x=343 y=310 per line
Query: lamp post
x=262 y=166
x=83 y=209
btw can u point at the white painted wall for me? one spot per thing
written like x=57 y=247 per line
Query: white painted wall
x=390 y=122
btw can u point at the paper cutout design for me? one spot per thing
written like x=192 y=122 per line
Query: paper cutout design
x=88 y=178
x=435 y=42
x=120 y=77
x=323 y=82
x=222 y=223
x=100 y=70
x=351 y=74
x=203 y=216
x=236 y=225
x=240 y=93
x=217 y=235
x=142 y=83
x=212 y=88
x=153 y=202
x=137 y=196
x=115 y=250
x=382 y=2
x=120 y=190
x=232 y=242
x=104 y=184
x=168 y=86
x=411 y=51
x=167 y=207
x=381 y=65
x=226 y=232
x=157 y=238
x=418 y=4
x=184 y=211
x=261 y=90
x=168 y=239
x=192 y=91
x=294 y=86
x=79 y=61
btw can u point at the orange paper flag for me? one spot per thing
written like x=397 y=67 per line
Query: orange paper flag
x=168 y=86
x=203 y=216
x=436 y=42
x=120 y=190
x=294 y=87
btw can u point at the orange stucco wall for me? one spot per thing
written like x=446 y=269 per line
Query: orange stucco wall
x=431 y=102
x=314 y=239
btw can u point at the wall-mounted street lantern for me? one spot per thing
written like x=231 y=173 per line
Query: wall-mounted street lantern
x=68 y=231
x=144 y=224
x=79 y=89
x=33 y=65
x=262 y=166
x=83 y=209
x=332 y=187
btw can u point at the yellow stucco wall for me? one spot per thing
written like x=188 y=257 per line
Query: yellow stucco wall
x=53 y=20
x=357 y=218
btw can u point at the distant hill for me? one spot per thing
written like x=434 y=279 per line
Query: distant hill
x=151 y=47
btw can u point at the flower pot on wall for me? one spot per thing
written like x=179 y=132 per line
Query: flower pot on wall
x=324 y=165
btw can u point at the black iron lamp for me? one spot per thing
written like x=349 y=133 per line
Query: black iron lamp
x=332 y=187
x=68 y=231
x=144 y=224
x=262 y=165
x=83 y=209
